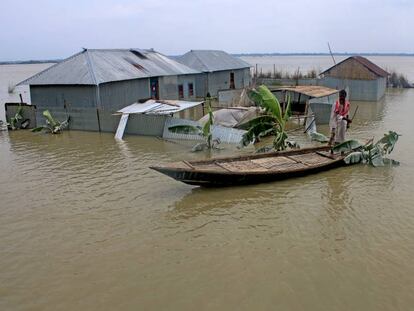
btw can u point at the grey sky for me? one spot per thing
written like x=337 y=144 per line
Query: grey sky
x=56 y=29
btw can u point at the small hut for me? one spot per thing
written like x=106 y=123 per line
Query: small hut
x=366 y=81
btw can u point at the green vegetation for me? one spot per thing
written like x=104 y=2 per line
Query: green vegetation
x=272 y=123
x=13 y=124
x=398 y=80
x=52 y=125
x=205 y=131
x=370 y=153
x=278 y=74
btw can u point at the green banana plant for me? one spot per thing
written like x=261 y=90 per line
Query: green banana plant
x=370 y=153
x=205 y=132
x=273 y=123
x=52 y=125
x=17 y=117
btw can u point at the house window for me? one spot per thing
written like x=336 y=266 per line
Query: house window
x=190 y=89
x=232 y=86
x=180 y=91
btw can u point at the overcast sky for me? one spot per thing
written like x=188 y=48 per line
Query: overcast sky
x=45 y=29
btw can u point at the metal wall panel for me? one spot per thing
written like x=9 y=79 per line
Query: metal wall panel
x=220 y=80
x=78 y=102
x=116 y=95
x=363 y=90
x=148 y=125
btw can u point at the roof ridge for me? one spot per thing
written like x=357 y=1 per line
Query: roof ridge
x=378 y=70
x=90 y=66
x=360 y=59
x=201 y=62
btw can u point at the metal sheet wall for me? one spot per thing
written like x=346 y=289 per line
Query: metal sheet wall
x=116 y=95
x=220 y=80
x=141 y=124
x=364 y=90
x=78 y=102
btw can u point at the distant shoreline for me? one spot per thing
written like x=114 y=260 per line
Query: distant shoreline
x=322 y=54
x=28 y=62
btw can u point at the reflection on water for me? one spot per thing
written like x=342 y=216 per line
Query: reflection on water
x=85 y=224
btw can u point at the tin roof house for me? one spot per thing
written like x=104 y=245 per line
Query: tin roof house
x=220 y=71
x=92 y=85
x=366 y=81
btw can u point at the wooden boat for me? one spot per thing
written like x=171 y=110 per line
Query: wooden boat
x=252 y=169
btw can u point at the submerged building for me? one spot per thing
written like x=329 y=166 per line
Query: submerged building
x=92 y=85
x=365 y=80
x=219 y=71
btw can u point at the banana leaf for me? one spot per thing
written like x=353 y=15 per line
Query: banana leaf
x=347 y=146
x=319 y=137
x=38 y=129
x=292 y=144
x=17 y=117
x=270 y=103
x=288 y=111
x=354 y=157
x=264 y=149
x=257 y=120
x=256 y=131
x=49 y=119
x=388 y=141
x=186 y=129
x=208 y=124
x=279 y=143
x=255 y=97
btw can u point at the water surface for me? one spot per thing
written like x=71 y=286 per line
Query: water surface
x=86 y=225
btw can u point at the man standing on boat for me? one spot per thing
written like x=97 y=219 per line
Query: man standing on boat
x=339 y=121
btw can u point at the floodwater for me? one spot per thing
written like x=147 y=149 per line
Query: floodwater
x=86 y=225
x=10 y=75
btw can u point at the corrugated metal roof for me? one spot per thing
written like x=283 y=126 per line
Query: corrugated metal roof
x=211 y=60
x=313 y=91
x=366 y=63
x=96 y=66
x=159 y=107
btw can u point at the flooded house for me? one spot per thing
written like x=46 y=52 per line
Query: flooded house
x=92 y=85
x=220 y=71
x=365 y=80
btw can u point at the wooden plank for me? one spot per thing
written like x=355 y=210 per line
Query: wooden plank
x=310 y=159
x=242 y=166
x=273 y=161
x=188 y=164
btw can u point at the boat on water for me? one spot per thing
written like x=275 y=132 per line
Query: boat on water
x=253 y=169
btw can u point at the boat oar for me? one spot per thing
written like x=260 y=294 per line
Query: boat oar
x=353 y=116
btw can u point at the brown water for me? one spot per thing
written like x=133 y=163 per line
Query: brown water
x=85 y=225
x=10 y=75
